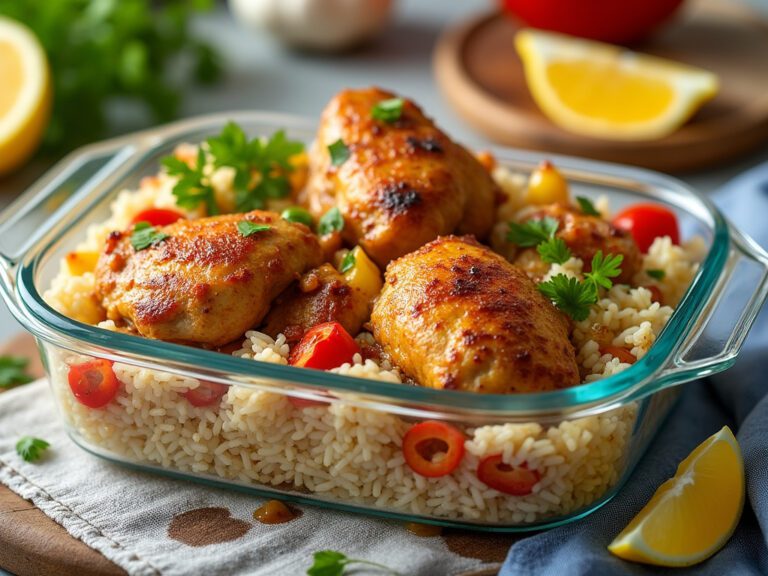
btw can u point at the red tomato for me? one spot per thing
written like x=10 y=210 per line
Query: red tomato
x=158 y=216
x=206 y=394
x=617 y=21
x=93 y=383
x=426 y=440
x=622 y=354
x=304 y=402
x=323 y=347
x=646 y=222
x=514 y=480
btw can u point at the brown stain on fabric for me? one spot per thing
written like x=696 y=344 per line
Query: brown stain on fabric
x=206 y=526
x=485 y=547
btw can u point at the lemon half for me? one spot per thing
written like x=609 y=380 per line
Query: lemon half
x=25 y=96
x=605 y=91
x=692 y=515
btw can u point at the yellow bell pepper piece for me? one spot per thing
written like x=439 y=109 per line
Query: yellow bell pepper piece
x=364 y=275
x=78 y=263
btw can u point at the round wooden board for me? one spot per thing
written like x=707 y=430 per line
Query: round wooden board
x=481 y=75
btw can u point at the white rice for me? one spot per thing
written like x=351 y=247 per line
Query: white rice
x=342 y=452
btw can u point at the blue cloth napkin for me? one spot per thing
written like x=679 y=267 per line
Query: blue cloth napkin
x=736 y=398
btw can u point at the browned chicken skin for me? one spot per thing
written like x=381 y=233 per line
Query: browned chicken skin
x=206 y=283
x=404 y=184
x=322 y=295
x=584 y=235
x=455 y=315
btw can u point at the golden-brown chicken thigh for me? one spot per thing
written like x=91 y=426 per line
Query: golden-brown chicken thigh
x=404 y=183
x=455 y=315
x=206 y=283
x=322 y=295
x=584 y=235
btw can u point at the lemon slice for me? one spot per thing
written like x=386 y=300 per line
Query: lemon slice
x=605 y=91
x=25 y=94
x=692 y=515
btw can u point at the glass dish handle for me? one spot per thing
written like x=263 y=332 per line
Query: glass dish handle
x=74 y=181
x=717 y=335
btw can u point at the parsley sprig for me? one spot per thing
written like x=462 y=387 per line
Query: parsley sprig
x=348 y=262
x=31 y=449
x=532 y=232
x=575 y=297
x=388 y=110
x=247 y=228
x=656 y=273
x=145 y=235
x=13 y=371
x=332 y=563
x=192 y=187
x=554 y=251
x=586 y=206
x=261 y=167
x=331 y=221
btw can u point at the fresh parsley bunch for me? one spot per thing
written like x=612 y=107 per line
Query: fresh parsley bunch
x=260 y=166
x=101 y=50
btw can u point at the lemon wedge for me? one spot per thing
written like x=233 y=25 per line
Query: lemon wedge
x=25 y=95
x=692 y=515
x=605 y=91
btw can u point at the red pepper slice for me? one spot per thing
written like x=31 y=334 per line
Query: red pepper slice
x=433 y=448
x=513 y=480
x=158 y=216
x=93 y=383
x=323 y=347
x=206 y=394
x=622 y=354
x=646 y=222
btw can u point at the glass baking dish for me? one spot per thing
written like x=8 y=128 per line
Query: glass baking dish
x=336 y=441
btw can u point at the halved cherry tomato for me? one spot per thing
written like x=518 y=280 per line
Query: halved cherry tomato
x=93 y=383
x=158 y=216
x=656 y=295
x=323 y=347
x=646 y=222
x=514 y=480
x=622 y=354
x=433 y=448
x=206 y=394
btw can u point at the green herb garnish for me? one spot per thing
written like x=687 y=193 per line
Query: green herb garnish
x=339 y=152
x=574 y=297
x=297 y=214
x=532 y=232
x=144 y=235
x=247 y=228
x=603 y=269
x=331 y=221
x=192 y=187
x=332 y=563
x=388 y=110
x=13 y=371
x=348 y=262
x=571 y=296
x=102 y=52
x=657 y=274
x=260 y=164
x=31 y=449
x=554 y=251
x=587 y=207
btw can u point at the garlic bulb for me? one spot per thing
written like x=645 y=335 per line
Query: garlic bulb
x=315 y=24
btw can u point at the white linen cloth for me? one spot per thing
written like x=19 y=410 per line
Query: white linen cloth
x=125 y=514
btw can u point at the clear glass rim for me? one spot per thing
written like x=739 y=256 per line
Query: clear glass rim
x=47 y=323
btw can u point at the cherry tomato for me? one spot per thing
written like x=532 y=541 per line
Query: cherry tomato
x=206 y=394
x=433 y=448
x=158 y=216
x=605 y=20
x=646 y=222
x=323 y=347
x=93 y=383
x=624 y=355
x=514 y=480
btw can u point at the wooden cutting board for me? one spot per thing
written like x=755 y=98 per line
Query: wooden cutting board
x=481 y=75
x=31 y=544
